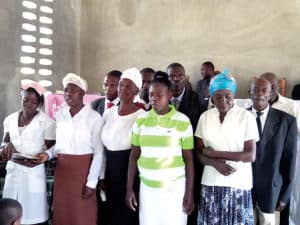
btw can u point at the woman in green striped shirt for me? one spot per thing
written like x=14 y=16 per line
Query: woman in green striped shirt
x=162 y=145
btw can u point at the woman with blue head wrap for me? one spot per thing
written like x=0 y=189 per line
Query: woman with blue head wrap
x=225 y=141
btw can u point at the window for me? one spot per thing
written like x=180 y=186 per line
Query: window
x=36 y=59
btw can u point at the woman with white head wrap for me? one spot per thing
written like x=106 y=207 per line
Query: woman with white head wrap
x=225 y=141
x=79 y=151
x=116 y=137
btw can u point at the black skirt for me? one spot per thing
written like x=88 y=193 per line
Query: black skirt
x=116 y=178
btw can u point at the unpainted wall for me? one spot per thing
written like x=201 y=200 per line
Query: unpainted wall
x=247 y=37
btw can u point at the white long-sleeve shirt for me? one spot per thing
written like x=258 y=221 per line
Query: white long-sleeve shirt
x=80 y=135
x=289 y=106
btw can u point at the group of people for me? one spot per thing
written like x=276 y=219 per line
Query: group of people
x=154 y=152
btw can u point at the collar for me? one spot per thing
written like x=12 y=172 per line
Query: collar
x=265 y=111
x=115 y=101
x=179 y=98
x=167 y=115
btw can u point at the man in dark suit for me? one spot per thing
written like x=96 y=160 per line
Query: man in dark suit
x=273 y=170
x=110 y=86
x=207 y=72
x=187 y=102
x=147 y=76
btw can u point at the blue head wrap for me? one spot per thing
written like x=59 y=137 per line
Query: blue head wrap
x=222 y=81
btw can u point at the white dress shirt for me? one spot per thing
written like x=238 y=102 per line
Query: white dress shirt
x=178 y=99
x=289 y=106
x=263 y=116
x=115 y=102
x=80 y=135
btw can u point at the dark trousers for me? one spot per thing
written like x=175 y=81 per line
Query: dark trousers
x=192 y=219
x=284 y=215
x=102 y=211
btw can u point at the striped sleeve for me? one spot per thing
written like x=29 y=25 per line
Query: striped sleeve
x=136 y=130
x=187 y=139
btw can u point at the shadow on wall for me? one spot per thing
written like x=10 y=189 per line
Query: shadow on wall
x=127 y=11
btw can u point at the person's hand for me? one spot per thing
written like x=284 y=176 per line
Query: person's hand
x=224 y=168
x=188 y=203
x=88 y=192
x=131 y=200
x=8 y=150
x=26 y=162
x=101 y=188
x=280 y=206
x=42 y=157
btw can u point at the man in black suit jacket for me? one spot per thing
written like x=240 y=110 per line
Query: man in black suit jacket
x=273 y=170
x=110 y=86
x=187 y=102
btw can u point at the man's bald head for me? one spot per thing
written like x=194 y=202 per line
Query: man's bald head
x=10 y=212
x=271 y=77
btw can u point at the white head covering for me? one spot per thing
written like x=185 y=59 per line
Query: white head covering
x=134 y=75
x=72 y=78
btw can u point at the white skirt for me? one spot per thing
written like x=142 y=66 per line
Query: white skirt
x=28 y=186
x=162 y=206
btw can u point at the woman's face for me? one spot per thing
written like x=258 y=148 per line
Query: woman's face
x=127 y=90
x=30 y=102
x=73 y=95
x=159 y=96
x=223 y=100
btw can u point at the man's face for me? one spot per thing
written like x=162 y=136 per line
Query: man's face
x=204 y=71
x=177 y=78
x=274 y=86
x=144 y=92
x=260 y=93
x=110 y=86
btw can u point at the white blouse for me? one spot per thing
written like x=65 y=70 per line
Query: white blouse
x=32 y=139
x=239 y=125
x=117 y=129
x=80 y=135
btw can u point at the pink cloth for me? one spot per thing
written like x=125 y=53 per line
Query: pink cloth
x=54 y=101
x=36 y=86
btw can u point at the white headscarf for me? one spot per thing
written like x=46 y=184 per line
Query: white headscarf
x=134 y=75
x=72 y=78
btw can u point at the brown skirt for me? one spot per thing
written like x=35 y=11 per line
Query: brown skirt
x=69 y=180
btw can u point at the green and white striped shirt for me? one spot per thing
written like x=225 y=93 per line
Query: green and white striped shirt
x=162 y=138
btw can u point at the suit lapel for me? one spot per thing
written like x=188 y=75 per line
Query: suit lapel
x=102 y=106
x=183 y=102
x=271 y=127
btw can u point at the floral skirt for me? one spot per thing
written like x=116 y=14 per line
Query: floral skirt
x=225 y=206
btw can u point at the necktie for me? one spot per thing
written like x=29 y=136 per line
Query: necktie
x=176 y=103
x=258 y=121
x=109 y=104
